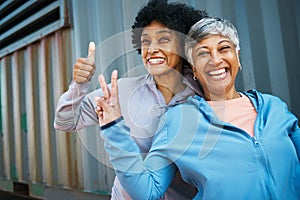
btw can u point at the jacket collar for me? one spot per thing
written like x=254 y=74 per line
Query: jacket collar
x=178 y=98
x=254 y=96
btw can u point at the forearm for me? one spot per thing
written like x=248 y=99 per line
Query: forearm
x=142 y=179
x=75 y=109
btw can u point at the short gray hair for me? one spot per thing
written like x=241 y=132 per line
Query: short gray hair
x=210 y=26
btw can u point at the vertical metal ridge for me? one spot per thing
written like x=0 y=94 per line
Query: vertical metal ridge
x=44 y=110
x=6 y=117
x=17 y=132
x=30 y=74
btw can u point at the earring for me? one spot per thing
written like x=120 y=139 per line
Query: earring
x=240 y=67
x=195 y=78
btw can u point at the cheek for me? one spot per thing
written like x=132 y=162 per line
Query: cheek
x=144 y=55
x=199 y=66
x=144 y=52
x=174 y=58
x=235 y=67
x=233 y=59
x=200 y=71
x=172 y=49
x=200 y=74
x=201 y=78
x=178 y=50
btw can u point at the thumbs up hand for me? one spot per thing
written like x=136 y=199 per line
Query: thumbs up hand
x=84 y=68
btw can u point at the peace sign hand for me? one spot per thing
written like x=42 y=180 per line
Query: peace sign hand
x=108 y=107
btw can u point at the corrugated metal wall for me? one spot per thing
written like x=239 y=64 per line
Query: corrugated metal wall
x=56 y=164
x=32 y=79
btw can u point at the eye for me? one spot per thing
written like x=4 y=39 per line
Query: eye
x=225 y=47
x=202 y=53
x=145 y=42
x=164 y=39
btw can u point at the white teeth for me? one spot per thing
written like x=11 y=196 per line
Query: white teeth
x=219 y=76
x=156 y=60
x=217 y=72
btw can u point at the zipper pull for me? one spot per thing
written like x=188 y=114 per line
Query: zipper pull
x=255 y=141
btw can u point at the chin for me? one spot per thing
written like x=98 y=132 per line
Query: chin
x=157 y=70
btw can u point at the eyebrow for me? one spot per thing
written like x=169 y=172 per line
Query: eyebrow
x=158 y=32
x=225 y=40
x=163 y=31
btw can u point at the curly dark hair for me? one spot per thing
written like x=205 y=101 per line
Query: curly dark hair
x=176 y=16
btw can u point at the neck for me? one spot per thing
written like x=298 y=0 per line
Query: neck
x=222 y=97
x=169 y=85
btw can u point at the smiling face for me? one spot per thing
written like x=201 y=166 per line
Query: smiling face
x=216 y=64
x=160 y=49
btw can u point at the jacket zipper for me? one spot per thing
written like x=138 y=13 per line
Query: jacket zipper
x=255 y=141
x=267 y=169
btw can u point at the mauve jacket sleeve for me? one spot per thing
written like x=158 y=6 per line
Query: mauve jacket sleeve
x=75 y=108
x=142 y=179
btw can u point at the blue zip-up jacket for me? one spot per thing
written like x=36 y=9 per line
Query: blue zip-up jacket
x=222 y=161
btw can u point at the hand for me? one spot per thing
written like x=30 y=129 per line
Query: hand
x=108 y=107
x=84 y=68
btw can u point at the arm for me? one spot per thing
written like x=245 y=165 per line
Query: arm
x=295 y=137
x=294 y=133
x=291 y=122
x=75 y=109
x=288 y=120
x=142 y=179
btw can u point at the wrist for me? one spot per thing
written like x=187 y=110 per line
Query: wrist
x=111 y=123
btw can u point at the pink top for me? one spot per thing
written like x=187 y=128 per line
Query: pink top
x=238 y=112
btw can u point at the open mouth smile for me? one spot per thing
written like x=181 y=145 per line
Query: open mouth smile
x=218 y=74
x=155 y=61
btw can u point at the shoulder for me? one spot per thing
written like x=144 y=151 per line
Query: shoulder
x=272 y=108
x=182 y=122
x=266 y=100
x=264 y=96
x=132 y=80
x=132 y=88
x=185 y=110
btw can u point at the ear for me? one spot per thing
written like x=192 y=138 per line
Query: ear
x=238 y=56
x=194 y=70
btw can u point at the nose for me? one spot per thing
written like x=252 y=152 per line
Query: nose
x=153 y=48
x=216 y=58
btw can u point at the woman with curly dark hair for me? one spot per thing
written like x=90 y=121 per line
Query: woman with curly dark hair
x=158 y=34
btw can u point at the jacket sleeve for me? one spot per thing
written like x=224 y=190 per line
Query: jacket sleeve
x=291 y=122
x=295 y=134
x=75 y=108
x=142 y=179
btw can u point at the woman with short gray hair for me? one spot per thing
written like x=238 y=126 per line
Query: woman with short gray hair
x=229 y=144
